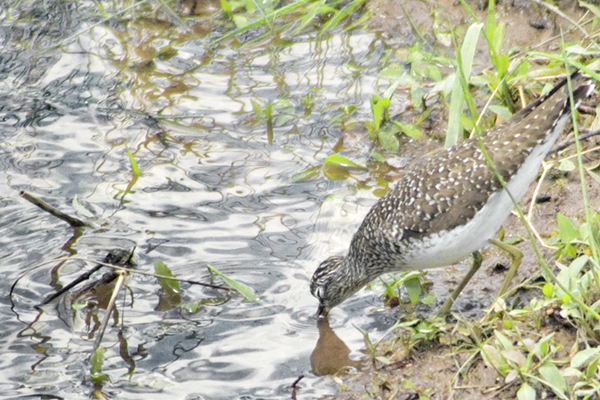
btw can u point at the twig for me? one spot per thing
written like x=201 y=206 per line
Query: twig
x=135 y=271
x=586 y=109
x=74 y=222
x=571 y=142
x=294 y=387
x=562 y=15
x=109 y=309
x=114 y=257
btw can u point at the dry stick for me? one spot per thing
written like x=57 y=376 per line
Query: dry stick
x=134 y=271
x=74 y=222
x=79 y=279
x=111 y=305
x=294 y=387
x=115 y=257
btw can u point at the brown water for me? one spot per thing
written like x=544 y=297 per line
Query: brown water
x=213 y=191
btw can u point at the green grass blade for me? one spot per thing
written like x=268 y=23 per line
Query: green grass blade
x=238 y=287
x=283 y=10
x=340 y=15
x=467 y=55
x=341 y=161
x=455 y=113
x=315 y=9
x=469 y=47
x=134 y=165
x=270 y=123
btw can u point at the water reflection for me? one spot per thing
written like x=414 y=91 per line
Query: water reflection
x=331 y=354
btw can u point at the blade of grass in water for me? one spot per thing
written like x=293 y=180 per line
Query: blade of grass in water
x=134 y=165
x=238 y=287
x=270 y=123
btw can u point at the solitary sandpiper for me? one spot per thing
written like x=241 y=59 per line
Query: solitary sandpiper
x=451 y=203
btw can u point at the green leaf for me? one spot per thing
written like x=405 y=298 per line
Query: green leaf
x=583 y=357
x=336 y=172
x=413 y=287
x=502 y=62
x=378 y=156
x=501 y=111
x=193 y=306
x=592 y=369
x=467 y=55
x=97 y=359
x=469 y=47
x=388 y=138
x=168 y=285
x=503 y=341
x=259 y=113
x=416 y=94
x=567 y=165
x=240 y=21
x=134 y=165
x=410 y=130
x=428 y=299
x=491 y=25
x=226 y=7
x=341 y=161
x=378 y=107
x=454 y=117
x=307 y=175
x=238 y=287
x=383 y=360
x=548 y=290
x=552 y=375
x=592 y=7
x=498 y=38
x=526 y=392
x=493 y=358
x=566 y=229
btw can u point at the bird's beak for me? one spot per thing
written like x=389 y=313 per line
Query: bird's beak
x=322 y=311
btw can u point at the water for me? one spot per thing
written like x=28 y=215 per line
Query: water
x=213 y=191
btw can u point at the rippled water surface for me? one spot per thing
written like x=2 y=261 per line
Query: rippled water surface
x=213 y=191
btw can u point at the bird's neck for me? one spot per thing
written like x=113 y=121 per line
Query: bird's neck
x=360 y=267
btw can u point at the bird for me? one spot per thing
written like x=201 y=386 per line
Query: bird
x=451 y=203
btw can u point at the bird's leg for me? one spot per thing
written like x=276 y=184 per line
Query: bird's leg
x=477 y=259
x=516 y=256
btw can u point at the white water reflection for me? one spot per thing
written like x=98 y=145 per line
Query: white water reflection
x=213 y=191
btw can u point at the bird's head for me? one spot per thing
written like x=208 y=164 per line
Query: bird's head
x=331 y=284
